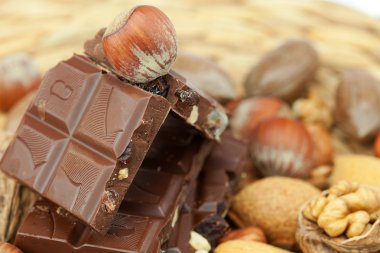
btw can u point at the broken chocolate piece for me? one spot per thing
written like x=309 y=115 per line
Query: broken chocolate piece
x=205 y=208
x=198 y=109
x=218 y=182
x=69 y=142
x=180 y=237
x=148 y=212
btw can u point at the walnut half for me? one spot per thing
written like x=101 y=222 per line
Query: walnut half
x=344 y=219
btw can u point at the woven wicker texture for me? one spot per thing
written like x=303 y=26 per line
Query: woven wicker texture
x=234 y=33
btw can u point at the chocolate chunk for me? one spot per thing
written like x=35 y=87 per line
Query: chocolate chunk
x=218 y=182
x=198 y=109
x=180 y=237
x=205 y=208
x=69 y=142
x=148 y=212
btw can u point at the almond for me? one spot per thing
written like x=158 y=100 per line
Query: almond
x=273 y=204
x=241 y=246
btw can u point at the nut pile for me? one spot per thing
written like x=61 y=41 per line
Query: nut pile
x=294 y=130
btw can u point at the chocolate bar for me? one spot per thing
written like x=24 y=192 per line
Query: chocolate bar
x=204 y=210
x=180 y=237
x=198 y=109
x=148 y=212
x=83 y=139
x=218 y=181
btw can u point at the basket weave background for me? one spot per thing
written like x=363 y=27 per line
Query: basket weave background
x=234 y=33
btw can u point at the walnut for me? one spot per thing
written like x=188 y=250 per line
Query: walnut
x=344 y=219
x=313 y=110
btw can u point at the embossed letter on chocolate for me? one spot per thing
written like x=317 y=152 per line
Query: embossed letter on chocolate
x=68 y=146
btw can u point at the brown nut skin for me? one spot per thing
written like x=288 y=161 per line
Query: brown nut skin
x=282 y=147
x=249 y=233
x=8 y=248
x=251 y=111
x=232 y=105
x=283 y=72
x=323 y=147
x=358 y=105
x=18 y=76
x=141 y=44
x=206 y=75
x=376 y=146
x=273 y=204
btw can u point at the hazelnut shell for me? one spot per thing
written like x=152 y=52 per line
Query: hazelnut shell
x=251 y=111
x=206 y=76
x=283 y=72
x=323 y=147
x=141 y=44
x=282 y=147
x=358 y=105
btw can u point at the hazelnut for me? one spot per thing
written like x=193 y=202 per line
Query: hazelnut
x=205 y=75
x=281 y=146
x=376 y=146
x=141 y=44
x=8 y=248
x=248 y=233
x=251 y=111
x=18 y=76
x=273 y=204
x=284 y=72
x=323 y=147
x=358 y=105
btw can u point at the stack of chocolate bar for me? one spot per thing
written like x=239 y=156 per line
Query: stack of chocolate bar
x=122 y=166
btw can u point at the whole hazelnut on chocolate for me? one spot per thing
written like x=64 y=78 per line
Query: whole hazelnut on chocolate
x=283 y=72
x=18 y=76
x=252 y=111
x=141 y=44
x=281 y=146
